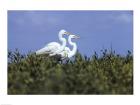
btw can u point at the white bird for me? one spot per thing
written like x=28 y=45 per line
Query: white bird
x=67 y=53
x=54 y=48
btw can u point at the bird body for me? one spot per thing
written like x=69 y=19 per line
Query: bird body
x=49 y=48
x=53 y=48
x=64 y=53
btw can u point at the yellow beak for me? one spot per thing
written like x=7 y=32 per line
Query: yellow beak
x=77 y=37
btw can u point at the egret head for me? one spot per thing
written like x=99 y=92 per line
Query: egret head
x=64 y=32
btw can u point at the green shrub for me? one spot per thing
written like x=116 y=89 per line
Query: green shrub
x=108 y=73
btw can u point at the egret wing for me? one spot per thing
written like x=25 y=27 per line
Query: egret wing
x=53 y=47
x=49 y=48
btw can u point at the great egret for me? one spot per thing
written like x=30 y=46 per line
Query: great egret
x=67 y=53
x=54 y=48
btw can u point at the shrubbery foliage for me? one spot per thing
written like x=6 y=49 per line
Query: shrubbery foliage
x=108 y=73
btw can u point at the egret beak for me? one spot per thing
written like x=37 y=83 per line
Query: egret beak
x=68 y=33
x=77 y=37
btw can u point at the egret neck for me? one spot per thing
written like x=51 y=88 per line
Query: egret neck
x=74 y=50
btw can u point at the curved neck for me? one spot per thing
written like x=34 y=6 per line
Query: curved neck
x=74 y=50
x=63 y=40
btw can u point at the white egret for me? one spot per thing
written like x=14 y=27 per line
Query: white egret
x=67 y=53
x=54 y=48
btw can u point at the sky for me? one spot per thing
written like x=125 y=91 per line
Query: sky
x=98 y=30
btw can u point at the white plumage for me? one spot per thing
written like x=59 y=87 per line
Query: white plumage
x=53 y=48
x=67 y=53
